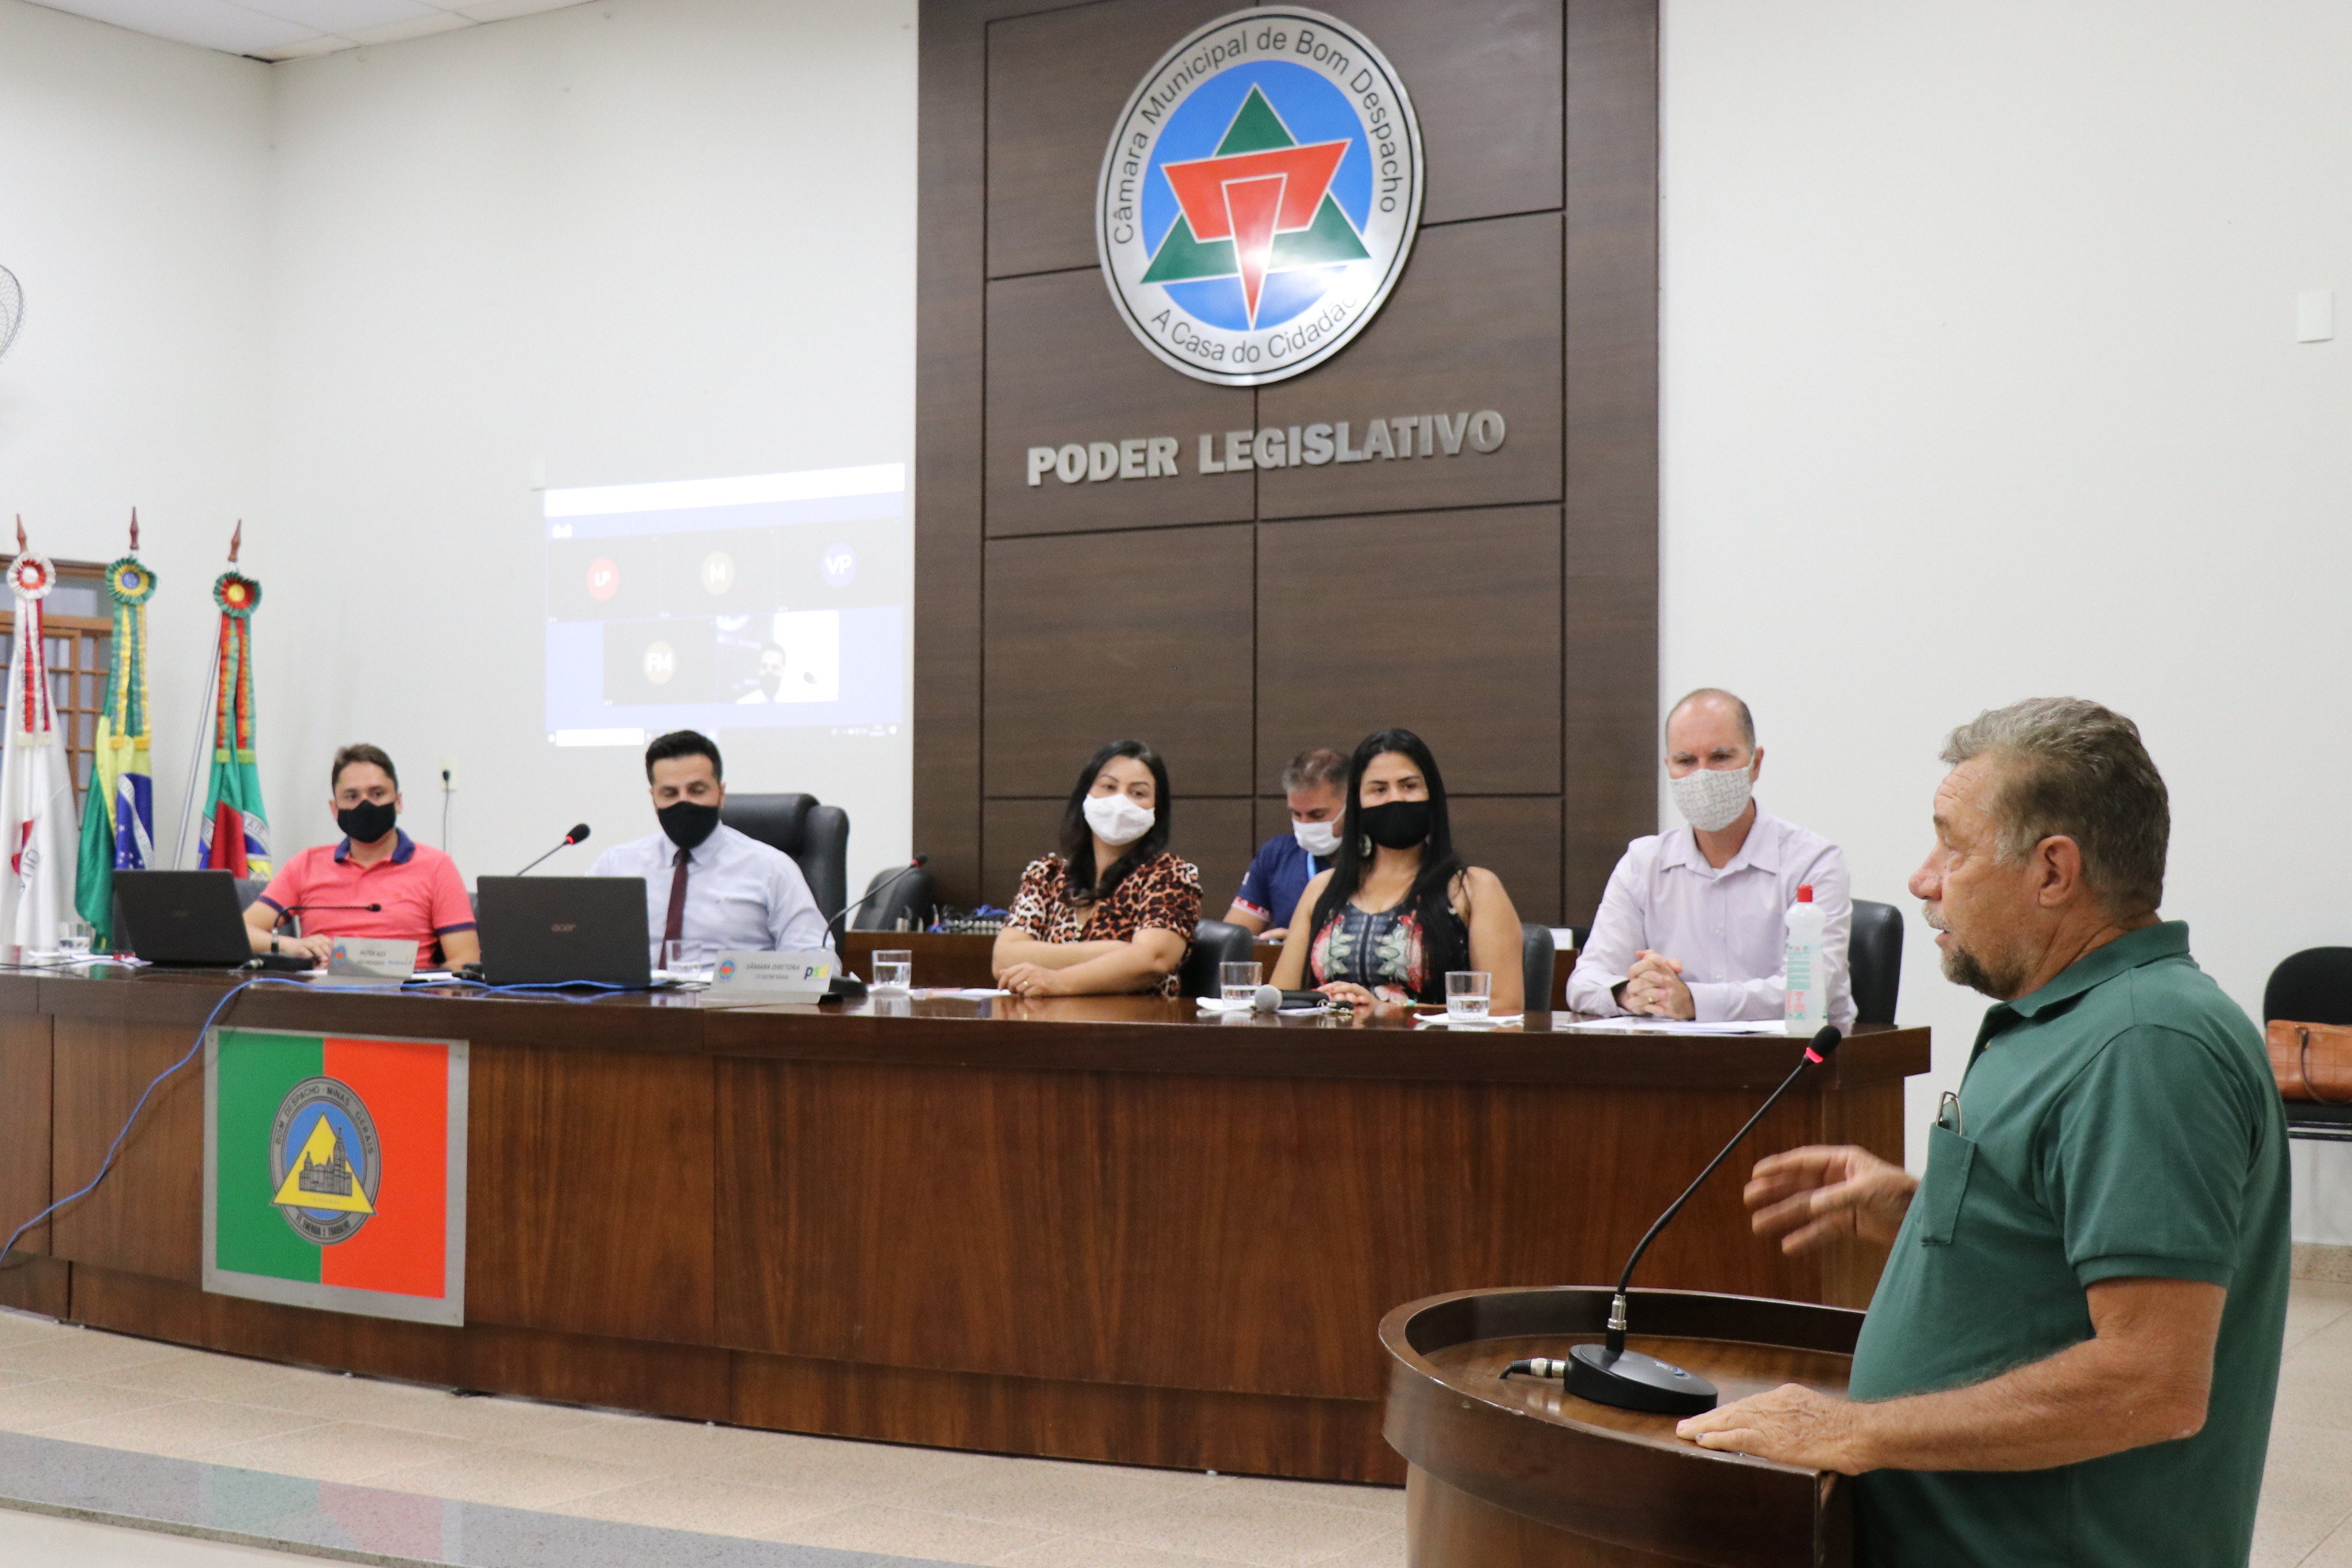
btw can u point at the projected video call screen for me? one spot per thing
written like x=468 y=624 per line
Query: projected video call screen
x=773 y=601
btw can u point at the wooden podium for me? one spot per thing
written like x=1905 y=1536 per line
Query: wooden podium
x=1517 y=1473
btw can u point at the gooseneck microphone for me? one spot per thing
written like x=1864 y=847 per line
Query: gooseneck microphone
x=1608 y=1374
x=290 y=910
x=579 y=832
x=908 y=869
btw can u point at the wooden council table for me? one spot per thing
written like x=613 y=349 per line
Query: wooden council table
x=1104 y=1228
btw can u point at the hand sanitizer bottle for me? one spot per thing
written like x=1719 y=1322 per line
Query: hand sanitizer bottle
x=1801 y=975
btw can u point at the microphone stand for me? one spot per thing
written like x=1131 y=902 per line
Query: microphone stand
x=844 y=988
x=1608 y=1374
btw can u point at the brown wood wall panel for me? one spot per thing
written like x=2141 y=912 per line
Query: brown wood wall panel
x=1487 y=95
x=589 y=1160
x=1474 y=324
x=147 y=1218
x=1103 y=1226
x=1056 y=82
x=1517 y=838
x=1017 y=832
x=1612 y=357
x=1062 y=368
x=1110 y=635
x=1468 y=659
x=1219 y=836
x=24 y=1125
x=1185 y=1429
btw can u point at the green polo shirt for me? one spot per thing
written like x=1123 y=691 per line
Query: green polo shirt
x=2119 y=1122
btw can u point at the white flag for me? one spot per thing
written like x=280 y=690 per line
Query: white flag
x=38 y=821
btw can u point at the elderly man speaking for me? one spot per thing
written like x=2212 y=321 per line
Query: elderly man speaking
x=2073 y=1351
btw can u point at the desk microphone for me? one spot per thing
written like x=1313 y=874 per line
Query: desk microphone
x=908 y=869
x=579 y=832
x=290 y=910
x=1608 y=1374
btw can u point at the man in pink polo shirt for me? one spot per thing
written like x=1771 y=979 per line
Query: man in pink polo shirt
x=417 y=890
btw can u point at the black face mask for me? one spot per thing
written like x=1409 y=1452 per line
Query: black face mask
x=1396 y=824
x=368 y=821
x=688 y=821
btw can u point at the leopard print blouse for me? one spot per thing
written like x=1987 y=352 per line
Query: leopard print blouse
x=1163 y=894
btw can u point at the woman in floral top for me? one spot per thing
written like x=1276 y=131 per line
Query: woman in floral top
x=1114 y=911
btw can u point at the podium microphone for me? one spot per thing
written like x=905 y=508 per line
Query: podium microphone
x=1608 y=1374
x=579 y=832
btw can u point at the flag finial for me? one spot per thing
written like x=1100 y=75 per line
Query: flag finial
x=134 y=530
x=20 y=533
x=236 y=540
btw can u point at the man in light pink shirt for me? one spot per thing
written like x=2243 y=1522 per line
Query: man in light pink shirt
x=1694 y=924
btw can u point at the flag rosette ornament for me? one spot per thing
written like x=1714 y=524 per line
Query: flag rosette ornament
x=36 y=784
x=118 y=819
x=1259 y=196
x=233 y=835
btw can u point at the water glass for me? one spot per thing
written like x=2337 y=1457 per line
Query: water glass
x=73 y=938
x=894 y=969
x=682 y=957
x=1467 y=992
x=1240 y=981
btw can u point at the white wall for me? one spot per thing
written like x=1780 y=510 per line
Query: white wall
x=648 y=239
x=1981 y=383
x=133 y=208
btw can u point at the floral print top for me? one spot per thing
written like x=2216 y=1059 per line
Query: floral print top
x=1163 y=893
x=1378 y=947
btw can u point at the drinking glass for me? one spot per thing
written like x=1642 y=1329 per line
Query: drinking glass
x=73 y=937
x=1467 y=992
x=684 y=957
x=1240 y=981
x=894 y=969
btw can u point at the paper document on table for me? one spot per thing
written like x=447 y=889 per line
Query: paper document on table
x=1676 y=1026
x=1441 y=1021
x=961 y=993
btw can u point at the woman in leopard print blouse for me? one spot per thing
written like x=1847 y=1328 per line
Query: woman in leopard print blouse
x=1114 y=911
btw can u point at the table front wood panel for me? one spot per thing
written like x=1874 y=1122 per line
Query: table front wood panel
x=24 y=1125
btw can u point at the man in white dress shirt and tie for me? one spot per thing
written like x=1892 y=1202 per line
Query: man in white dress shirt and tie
x=707 y=885
x=1694 y=923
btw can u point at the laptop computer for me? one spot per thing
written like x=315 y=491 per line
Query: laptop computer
x=555 y=931
x=189 y=918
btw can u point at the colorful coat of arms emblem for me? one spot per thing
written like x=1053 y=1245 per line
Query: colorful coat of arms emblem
x=1259 y=195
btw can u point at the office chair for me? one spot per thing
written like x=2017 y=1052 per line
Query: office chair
x=1874 y=961
x=2314 y=986
x=1214 y=943
x=1539 y=955
x=911 y=898
x=816 y=838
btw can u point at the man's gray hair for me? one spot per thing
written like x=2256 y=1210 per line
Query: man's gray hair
x=2071 y=768
x=1315 y=768
x=1738 y=709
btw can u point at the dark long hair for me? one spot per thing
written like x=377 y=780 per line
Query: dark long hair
x=1431 y=900
x=1079 y=839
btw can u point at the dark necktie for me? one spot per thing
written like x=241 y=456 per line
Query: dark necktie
x=672 y=928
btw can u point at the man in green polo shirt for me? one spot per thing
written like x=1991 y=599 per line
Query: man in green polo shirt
x=2073 y=1351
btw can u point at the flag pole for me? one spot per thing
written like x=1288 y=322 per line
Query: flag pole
x=205 y=717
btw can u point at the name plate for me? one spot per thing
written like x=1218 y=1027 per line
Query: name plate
x=737 y=977
x=369 y=960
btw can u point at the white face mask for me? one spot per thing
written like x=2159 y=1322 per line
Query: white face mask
x=1317 y=838
x=1711 y=799
x=1116 y=819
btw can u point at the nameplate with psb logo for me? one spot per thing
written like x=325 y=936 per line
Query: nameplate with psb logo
x=746 y=978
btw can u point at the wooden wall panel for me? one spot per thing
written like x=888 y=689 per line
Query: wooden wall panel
x=1062 y=367
x=1473 y=324
x=1100 y=637
x=24 y=1125
x=1017 y=832
x=602 y=1185
x=1467 y=655
x=147 y=1218
x=1517 y=838
x=1056 y=82
x=1487 y=93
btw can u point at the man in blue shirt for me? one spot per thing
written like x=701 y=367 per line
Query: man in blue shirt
x=1315 y=784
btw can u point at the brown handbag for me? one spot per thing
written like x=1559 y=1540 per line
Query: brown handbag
x=2312 y=1061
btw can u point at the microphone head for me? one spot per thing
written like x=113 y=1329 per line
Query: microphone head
x=1824 y=1043
x=922 y=859
x=579 y=832
x=1267 y=999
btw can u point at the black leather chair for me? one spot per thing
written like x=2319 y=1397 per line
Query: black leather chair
x=1874 y=961
x=816 y=836
x=2314 y=986
x=1214 y=943
x=1538 y=957
x=911 y=898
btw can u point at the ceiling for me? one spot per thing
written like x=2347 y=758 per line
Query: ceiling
x=293 y=29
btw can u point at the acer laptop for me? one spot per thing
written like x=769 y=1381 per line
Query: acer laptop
x=560 y=930
x=188 y=918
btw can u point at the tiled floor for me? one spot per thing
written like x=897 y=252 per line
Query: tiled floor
x=31 y=1541
x=89 y=1387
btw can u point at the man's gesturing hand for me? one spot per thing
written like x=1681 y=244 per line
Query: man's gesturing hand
x=1807 y=1197
x=1791 y=1423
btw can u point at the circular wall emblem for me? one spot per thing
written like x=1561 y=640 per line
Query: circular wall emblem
x=1259 y=195
x=325 y=1162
